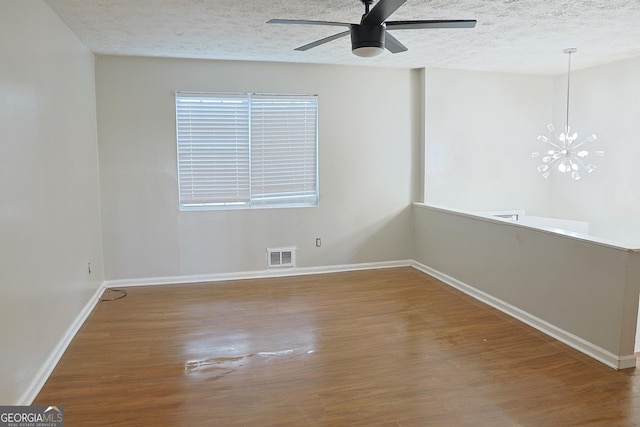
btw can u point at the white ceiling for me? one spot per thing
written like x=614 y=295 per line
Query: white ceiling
x=526 y=36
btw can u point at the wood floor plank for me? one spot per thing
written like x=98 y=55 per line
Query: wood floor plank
x=391 y=347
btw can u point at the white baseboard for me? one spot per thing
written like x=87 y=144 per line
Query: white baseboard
x=628 y=361
x=259 y=274
x=49 y=365
x=586 y=347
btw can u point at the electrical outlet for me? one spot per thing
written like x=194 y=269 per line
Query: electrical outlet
x=318 y=242
x=89 y=267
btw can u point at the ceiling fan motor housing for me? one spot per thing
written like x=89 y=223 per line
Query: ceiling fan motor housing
x=367 y=36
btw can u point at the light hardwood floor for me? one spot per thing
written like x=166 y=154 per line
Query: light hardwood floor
x=388 y=347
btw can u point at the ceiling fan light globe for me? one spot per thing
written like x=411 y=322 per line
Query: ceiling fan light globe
x=368 y=51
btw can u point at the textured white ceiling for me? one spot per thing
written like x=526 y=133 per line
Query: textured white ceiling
x=525 y=36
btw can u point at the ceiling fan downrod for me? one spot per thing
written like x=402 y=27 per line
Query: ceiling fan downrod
x=367 y=5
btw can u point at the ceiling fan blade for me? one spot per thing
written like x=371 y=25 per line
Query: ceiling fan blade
x=301 y=21
x=393 y=45
x=415 y=25
x=323 y=41
x=381 y=11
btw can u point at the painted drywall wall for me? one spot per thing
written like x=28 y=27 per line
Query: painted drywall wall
x=604 y=101
x=365 y=169
x=587 y=289
x=480 y=130
x=49 y=189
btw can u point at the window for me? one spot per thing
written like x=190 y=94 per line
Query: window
x=246 y=150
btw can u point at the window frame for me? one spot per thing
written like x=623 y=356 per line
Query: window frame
x=308 y=177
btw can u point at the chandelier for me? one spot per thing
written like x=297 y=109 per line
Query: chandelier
x=565 y=153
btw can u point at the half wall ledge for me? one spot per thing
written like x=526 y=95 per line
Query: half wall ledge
x=576 y=288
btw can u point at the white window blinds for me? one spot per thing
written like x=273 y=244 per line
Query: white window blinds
x=283 y=149
x=239 y=150
x=213 y=150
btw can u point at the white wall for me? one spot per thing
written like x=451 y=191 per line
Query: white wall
x=604 y=101
x=480 y=131
x=49 y=189
x=365 y=156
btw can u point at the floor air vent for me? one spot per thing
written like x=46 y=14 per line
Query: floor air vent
x=281 y=257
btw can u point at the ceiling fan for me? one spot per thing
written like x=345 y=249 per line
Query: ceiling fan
x=370 y=37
